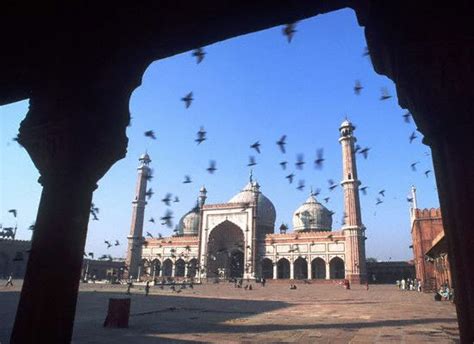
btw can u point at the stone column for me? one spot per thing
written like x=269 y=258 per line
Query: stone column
x=328 y=271
x=292 y=269
x=309 y=269
x=275 y=270
x=173 y=269
x=74 y=134
x=186 y=269
x=161 y=271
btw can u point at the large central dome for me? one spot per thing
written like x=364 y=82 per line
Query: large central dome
x=266 y=213
x=312 y=216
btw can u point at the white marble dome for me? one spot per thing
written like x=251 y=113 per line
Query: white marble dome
x=312 y=216
x=266 y=214
x=189 y=223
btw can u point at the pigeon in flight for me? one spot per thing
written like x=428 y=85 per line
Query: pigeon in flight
x=412 y=137
x=199 y=54
x=283 y=164
x=289 y=31
x=212 y=167
x=117 y=243
x=201 y=136
x=251 y=161
x=152 y=220
x=300 y=185
x=167 y=199
x=366 y=52
x=13 y=211
x=427 y=172
x=382 y=192
x=148 y=234
x=187 y=179
x=149 y=193
x=409 y=199
x=32 y=227
x=327 y=199
x=94 y=211
x=109 y=245
x=290 y=177
x=406 y=117
x=167 y=218
x=188 y=99
x=379 y=201
x=318 y=163
x=256 y=146
x=365 y=152
x=299 y=161
x=281 y=143
x=385 y=95
x=357 y=87
x=357 y=148
x=332 y=185
x=150 y=134
x=149 y=175
x=176 y=199
x=413 y=166
x=364 y=190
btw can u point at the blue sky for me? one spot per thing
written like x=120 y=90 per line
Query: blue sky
x=253 y=87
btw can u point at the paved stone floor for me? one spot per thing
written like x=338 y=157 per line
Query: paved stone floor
x=315 y=313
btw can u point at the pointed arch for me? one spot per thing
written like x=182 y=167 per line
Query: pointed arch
x=318 y=268
x=283 y=269
x=336 y=268
x=167 y=268
x=300 y=268
x=267 y=268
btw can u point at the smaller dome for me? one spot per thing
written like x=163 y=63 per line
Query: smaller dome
x=145 y=158
x=189 y=223
x=346 y=123
x=312 y=216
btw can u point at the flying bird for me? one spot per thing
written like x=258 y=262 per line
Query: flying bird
x=300 y=185
x=117 y=243
x=188 y=99
x=366 y=52
x=409 y=199
x=357 y=148
x=256 y=146
x=109 y=245
x=176 y=199
x=318 y=163
x=212 y=167
x=199 y=54
x=201 y=136
x=332 y=185
x=149 y=175
x=152 y=220
x=167 y=199
x=357 y=87
x=384 y=94
x=32 y=227
x=290 y=177
x=167 y=218
x=148 y=234
x=382 y=192
x=187 y=179
x=289 y=31
x=365 y=152
x=283 y=164
x=150 y=134
x=251 y=161
x=379 y=201
x=94 y=211
x=364 y=190
x=327 y=199
x=281 y=143
x=406 y=117
x=413 y=165
x=427 y=172
x=13 y=211
x=412 y=137
x=149 y=193
x=299 y=161
x=91 y=254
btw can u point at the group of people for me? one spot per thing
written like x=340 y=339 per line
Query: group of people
x=409 y=284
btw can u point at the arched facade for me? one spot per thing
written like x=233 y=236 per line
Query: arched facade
x=180 y=268
x=283 y=269
x=267 y=268
x=300 y=267
x=336 y=268
x=192 y=268
x=167 y=268
x=318 y=268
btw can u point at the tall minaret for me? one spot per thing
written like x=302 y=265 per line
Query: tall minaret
x=135 y=239
x=353 y=228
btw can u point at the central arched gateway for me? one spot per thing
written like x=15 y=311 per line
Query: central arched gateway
x=225 y=251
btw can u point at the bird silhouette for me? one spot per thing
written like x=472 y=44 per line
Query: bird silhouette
x=283 y=164
x=318 y=162
x=365 y=152
x=187 y=179
x=117 y=243
x=256 y=146
x=176 y=199
x=32 y=227
x=212 y=167
x=406 y=117
x=201 y=136
x=13 y=212
x=366 y=52
x=91 y=254
x=316 y=192
x=379 y=201
x=290 y=177
x=364 y=190
x=357 y=87
x=251 y=161
x=412 y=137
x=427 y=172
x=382 y=192
x=199 y=55
x=152 y=220
x=149 y=175
x=150 y=134
x=188 y=99
x=357 y=148
x=167 y=199
x=281 y=143
x=409 y=199
x=148 y=234
x=94 y=211
x=289 y=31
x=413 y=165
x=301 y=185
x=384 y=94
x=299 y=161
x=332 y=185
x=149 y=193
x=167 y=218
x=327 y=199
x=109 y=245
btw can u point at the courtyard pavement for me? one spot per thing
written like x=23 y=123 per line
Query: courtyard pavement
x=220 y=313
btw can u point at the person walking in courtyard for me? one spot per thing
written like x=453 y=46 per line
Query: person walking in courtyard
x=147 y=288
x=129 y=286
x=9 y=281
x=402 y=284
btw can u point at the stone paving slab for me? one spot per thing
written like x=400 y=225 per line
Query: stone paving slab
x=220 y=313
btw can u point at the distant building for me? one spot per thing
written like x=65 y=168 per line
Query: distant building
x=429 y=246
x=237 y=239
x=13 y=257
x=389 y=272
x=111 y=270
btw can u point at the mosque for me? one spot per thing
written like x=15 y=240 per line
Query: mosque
x=238 y=239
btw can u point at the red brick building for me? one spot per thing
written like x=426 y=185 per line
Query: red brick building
x=429 y=246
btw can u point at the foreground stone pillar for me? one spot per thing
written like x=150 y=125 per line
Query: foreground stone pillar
x=73 y=136
x=275 y=270
x=310 y=272
x=292 y=270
